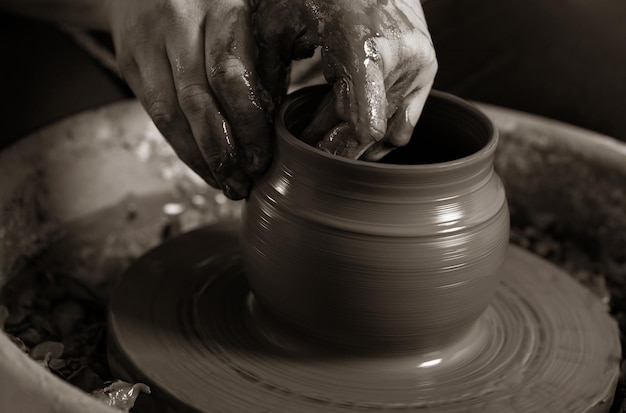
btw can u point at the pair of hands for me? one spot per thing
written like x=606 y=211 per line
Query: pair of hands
x=211 y=72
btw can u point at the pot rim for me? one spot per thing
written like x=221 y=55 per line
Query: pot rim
x=486 y=151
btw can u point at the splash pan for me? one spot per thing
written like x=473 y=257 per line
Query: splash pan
x=199 y=339
x=563 y=183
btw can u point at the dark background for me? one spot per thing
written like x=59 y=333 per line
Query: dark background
x=564 y=59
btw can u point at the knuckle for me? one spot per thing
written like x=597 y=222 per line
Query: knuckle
x=193 y=97
x=429 y=61
x=226 y=70
x=420 y=50
x=398 y=140
x=162 y=114
x=428 y=58
x=434 y=65
x=428 y=52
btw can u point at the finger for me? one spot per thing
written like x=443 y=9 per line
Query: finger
x=323 y=120
x=237 y=86
x=274 y=70
x=273 y=57
x=341 y=141
x=211 y=132
x=401 y=125
x=154 y=87
x=330 y=134
x=284 y=31
x=359 y=88
x=411 y=90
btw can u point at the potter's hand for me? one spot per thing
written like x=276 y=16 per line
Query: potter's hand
x=192 y=65
x=378 y=55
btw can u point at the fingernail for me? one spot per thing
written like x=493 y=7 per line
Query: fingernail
x=234 y=189
x=256 y=161
x=335 y=138
x=341 y=141
x=374 y=129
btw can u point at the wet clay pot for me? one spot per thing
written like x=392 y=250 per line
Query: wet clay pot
x=397 y=255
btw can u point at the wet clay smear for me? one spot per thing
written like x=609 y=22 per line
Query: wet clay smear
x=54 y=308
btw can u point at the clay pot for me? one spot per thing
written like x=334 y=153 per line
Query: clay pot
x=398 y=255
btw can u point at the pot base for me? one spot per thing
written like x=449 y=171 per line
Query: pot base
x=183 y=321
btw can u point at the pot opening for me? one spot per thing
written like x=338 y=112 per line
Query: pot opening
x=449 y=128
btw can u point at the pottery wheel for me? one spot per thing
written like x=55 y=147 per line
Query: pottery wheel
x=183 y=321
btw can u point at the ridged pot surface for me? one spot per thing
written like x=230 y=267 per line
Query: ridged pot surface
x=398 y=255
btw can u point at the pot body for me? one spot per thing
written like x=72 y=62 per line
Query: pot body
x=401 y=254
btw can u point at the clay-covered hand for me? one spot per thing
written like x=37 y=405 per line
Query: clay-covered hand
x=192 y=65
x=377 y=53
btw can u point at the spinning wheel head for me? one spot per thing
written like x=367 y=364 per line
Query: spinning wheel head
x=197 y=338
